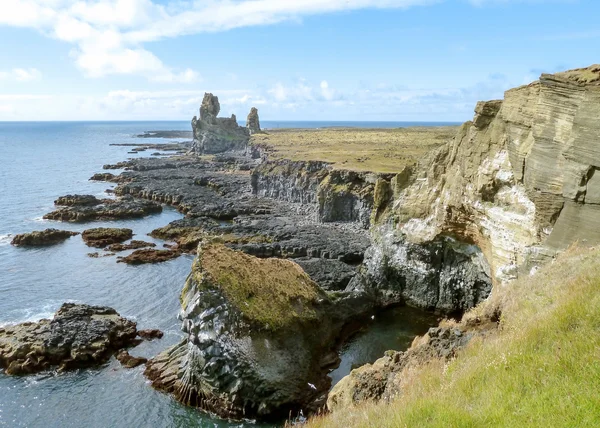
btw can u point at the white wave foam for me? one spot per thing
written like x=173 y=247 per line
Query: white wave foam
x=5 y=239
x=32 y=314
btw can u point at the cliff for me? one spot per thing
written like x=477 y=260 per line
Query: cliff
x=519 y=181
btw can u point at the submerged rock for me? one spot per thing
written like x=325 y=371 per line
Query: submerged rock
x=144 y=256
x=214 y=134
x=128 y=361
x=133 y=245
x=259 y=337
x=79 y=208
x=42 y=238
x=100 y=237
x=78 y=336
x=150 y=334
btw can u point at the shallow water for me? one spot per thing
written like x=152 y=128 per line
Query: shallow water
x=41 y=161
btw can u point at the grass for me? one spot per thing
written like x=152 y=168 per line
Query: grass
x=586 y=75
x=357 y=149
x=541 y=367
x=270 y=293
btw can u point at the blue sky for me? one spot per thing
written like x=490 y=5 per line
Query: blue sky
x=413 y=60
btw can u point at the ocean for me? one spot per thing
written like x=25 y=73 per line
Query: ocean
x=40 y=161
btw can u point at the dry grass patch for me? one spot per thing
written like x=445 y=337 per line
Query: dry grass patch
x=358 y=149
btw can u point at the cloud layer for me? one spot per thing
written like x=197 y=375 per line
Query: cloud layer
x=109 y=35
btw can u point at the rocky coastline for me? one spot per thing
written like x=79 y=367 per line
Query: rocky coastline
x=292 y=254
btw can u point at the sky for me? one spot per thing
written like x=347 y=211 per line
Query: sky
x=368 y=60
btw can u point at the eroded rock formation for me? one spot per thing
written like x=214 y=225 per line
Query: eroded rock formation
x=214 y=134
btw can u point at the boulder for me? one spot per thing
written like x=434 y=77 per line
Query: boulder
x=78 y=336
x=42 y=238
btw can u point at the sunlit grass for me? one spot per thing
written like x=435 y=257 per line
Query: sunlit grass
x=375 y=150
x=540 y=369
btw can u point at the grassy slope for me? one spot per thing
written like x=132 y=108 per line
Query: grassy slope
x=542 y=368
x=375 y=150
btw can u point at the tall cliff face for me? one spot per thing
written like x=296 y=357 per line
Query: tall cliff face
x=519 y=181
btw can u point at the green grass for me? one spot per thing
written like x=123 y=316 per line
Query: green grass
x=541 y=368
x=272 y=294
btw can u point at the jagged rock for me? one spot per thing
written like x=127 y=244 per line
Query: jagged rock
x=259 y=337
x=78 y=336
x=383 y=380
x=252 y=122
x=150 y=334
x=128 y=361
x=144 y=256
x=133 y=245
x=214 y=134
x=81 y=208
x=100 y=237
x=41 y=238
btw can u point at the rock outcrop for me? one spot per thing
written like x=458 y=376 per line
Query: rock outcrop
x=214 y=134
x=252 y=122
x=77 y=336
x=259 y=337
x=149 y=255
x=82 y=208
x=101 y=237
x=42 y=238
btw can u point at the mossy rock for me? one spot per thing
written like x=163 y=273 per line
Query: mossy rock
x=270 y=294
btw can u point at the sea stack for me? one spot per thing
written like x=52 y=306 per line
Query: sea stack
x=214 y=134
x=252 y=122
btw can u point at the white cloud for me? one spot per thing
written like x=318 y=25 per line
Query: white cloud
x=21 y=74
x=109 y=34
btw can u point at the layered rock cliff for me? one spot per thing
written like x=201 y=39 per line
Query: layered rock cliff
x=519 y=181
